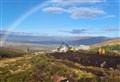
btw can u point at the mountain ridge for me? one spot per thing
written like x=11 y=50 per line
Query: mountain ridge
x=109 y=42
x=56 y=40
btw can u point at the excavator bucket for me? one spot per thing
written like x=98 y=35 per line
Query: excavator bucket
x=71 y=49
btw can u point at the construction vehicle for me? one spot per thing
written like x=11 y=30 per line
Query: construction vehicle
x=69 y=49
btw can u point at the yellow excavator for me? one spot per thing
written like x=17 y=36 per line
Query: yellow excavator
x=69 y=49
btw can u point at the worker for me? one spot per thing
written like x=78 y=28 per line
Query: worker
x=101 y=51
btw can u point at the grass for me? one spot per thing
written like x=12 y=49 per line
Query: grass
x=38 y=68
x=112 y=50
x=41 y=68
x=7 y=52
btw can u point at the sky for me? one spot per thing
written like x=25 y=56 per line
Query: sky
x=61 y=17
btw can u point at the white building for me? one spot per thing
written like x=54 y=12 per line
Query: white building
x=82 y=47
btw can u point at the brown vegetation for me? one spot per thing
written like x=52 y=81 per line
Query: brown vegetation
x=110 y=42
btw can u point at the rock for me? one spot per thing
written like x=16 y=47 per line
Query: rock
x=118 y=67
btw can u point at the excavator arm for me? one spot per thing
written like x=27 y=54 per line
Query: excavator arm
x=69 y=48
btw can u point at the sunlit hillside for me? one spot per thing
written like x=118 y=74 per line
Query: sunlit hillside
x=110 y=42
x=59 y=67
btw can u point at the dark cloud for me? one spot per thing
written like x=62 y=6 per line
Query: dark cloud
x=74 y=31
x=112 y=29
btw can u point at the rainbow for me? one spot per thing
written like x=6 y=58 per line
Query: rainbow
x=22 y=18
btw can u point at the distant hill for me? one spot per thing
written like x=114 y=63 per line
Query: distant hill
x=25 y=46
x=89 y=41
x=46 y=40
x=109 y=42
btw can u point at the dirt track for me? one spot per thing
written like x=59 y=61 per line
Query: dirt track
x=88 y=58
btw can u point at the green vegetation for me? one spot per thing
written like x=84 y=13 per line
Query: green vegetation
x=46 y=68
x=112 y=47
x=7 y=52
x=109 y=47
x=39 y=68
x=113 y=50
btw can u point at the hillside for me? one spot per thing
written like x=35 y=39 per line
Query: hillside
x=24 y=46
x=48 y=40
x=89 y=41
x=109 y=42
x=39 y=68
x=81 y=66
x=10 y=52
